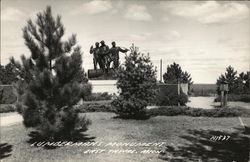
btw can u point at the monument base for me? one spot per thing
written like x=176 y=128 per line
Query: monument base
x=99 y=74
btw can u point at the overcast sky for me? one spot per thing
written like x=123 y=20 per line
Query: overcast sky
x=203 y=37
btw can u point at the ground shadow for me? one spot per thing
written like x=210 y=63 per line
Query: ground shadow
x=5 y=150
x=204 y=145
x=245 y=130
x=36 y=137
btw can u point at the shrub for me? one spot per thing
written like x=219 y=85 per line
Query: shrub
x=130 y=108
x=136 y=81
x=99 y=96
x=235 y=97
x=195 y=112
x=167 y=111
x=86 y=91
x=171 y=99
x=217 y=112
x=226 y=112
x=7 y=108
x=7 y=95
x=102 y=106
x=198 y=112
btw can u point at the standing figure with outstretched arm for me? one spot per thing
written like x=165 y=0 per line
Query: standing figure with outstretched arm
x=114 y=52
x=95 y=51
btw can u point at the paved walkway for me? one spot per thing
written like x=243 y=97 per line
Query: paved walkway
x=10 y=119
x=208 y=103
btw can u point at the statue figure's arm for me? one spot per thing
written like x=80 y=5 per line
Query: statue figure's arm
x=123 y=50
x=91 y=50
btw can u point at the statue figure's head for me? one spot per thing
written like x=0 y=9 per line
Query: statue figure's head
x=102 y=43
x=97 y=44
x=113 y=44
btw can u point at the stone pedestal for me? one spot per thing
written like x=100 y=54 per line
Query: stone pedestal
x=92 y=73
x=99 y=74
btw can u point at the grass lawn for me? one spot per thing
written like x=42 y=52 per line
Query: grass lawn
x=184 y=136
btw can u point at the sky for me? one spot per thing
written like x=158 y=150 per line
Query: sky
x=204 y=37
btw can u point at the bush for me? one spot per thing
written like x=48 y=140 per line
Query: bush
x=171 y=99
x=136 y=81
x=7 y=108
x=167 y=111
x=227 y=112
x=99 y=96
x=235 y=97
x=132 y=108
x=7 y=95
x=102 y=106
x=105 y=106
x=198 y=112
x=86 y=91
x=195 y=112
x=217 y=112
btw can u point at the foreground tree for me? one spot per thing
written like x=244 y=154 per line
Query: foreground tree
x=136 y=81
x=51 y=79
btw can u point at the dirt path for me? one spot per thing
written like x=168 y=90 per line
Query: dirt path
x=10 y=119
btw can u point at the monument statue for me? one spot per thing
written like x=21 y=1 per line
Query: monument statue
x=95 y=51
x=103 y=56
x=114 y=54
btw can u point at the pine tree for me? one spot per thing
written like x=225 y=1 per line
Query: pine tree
x=230 y=77
x=240 y=83
x=53 y=79
x=243 y=83
x=175 y=74
x=247 y=82
x=8 y=74
x=136 y=80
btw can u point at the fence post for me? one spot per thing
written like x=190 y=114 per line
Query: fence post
x=225 y=98
x=224 y=90
x=161 y=70
x=222 y=99
x=178 y=87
